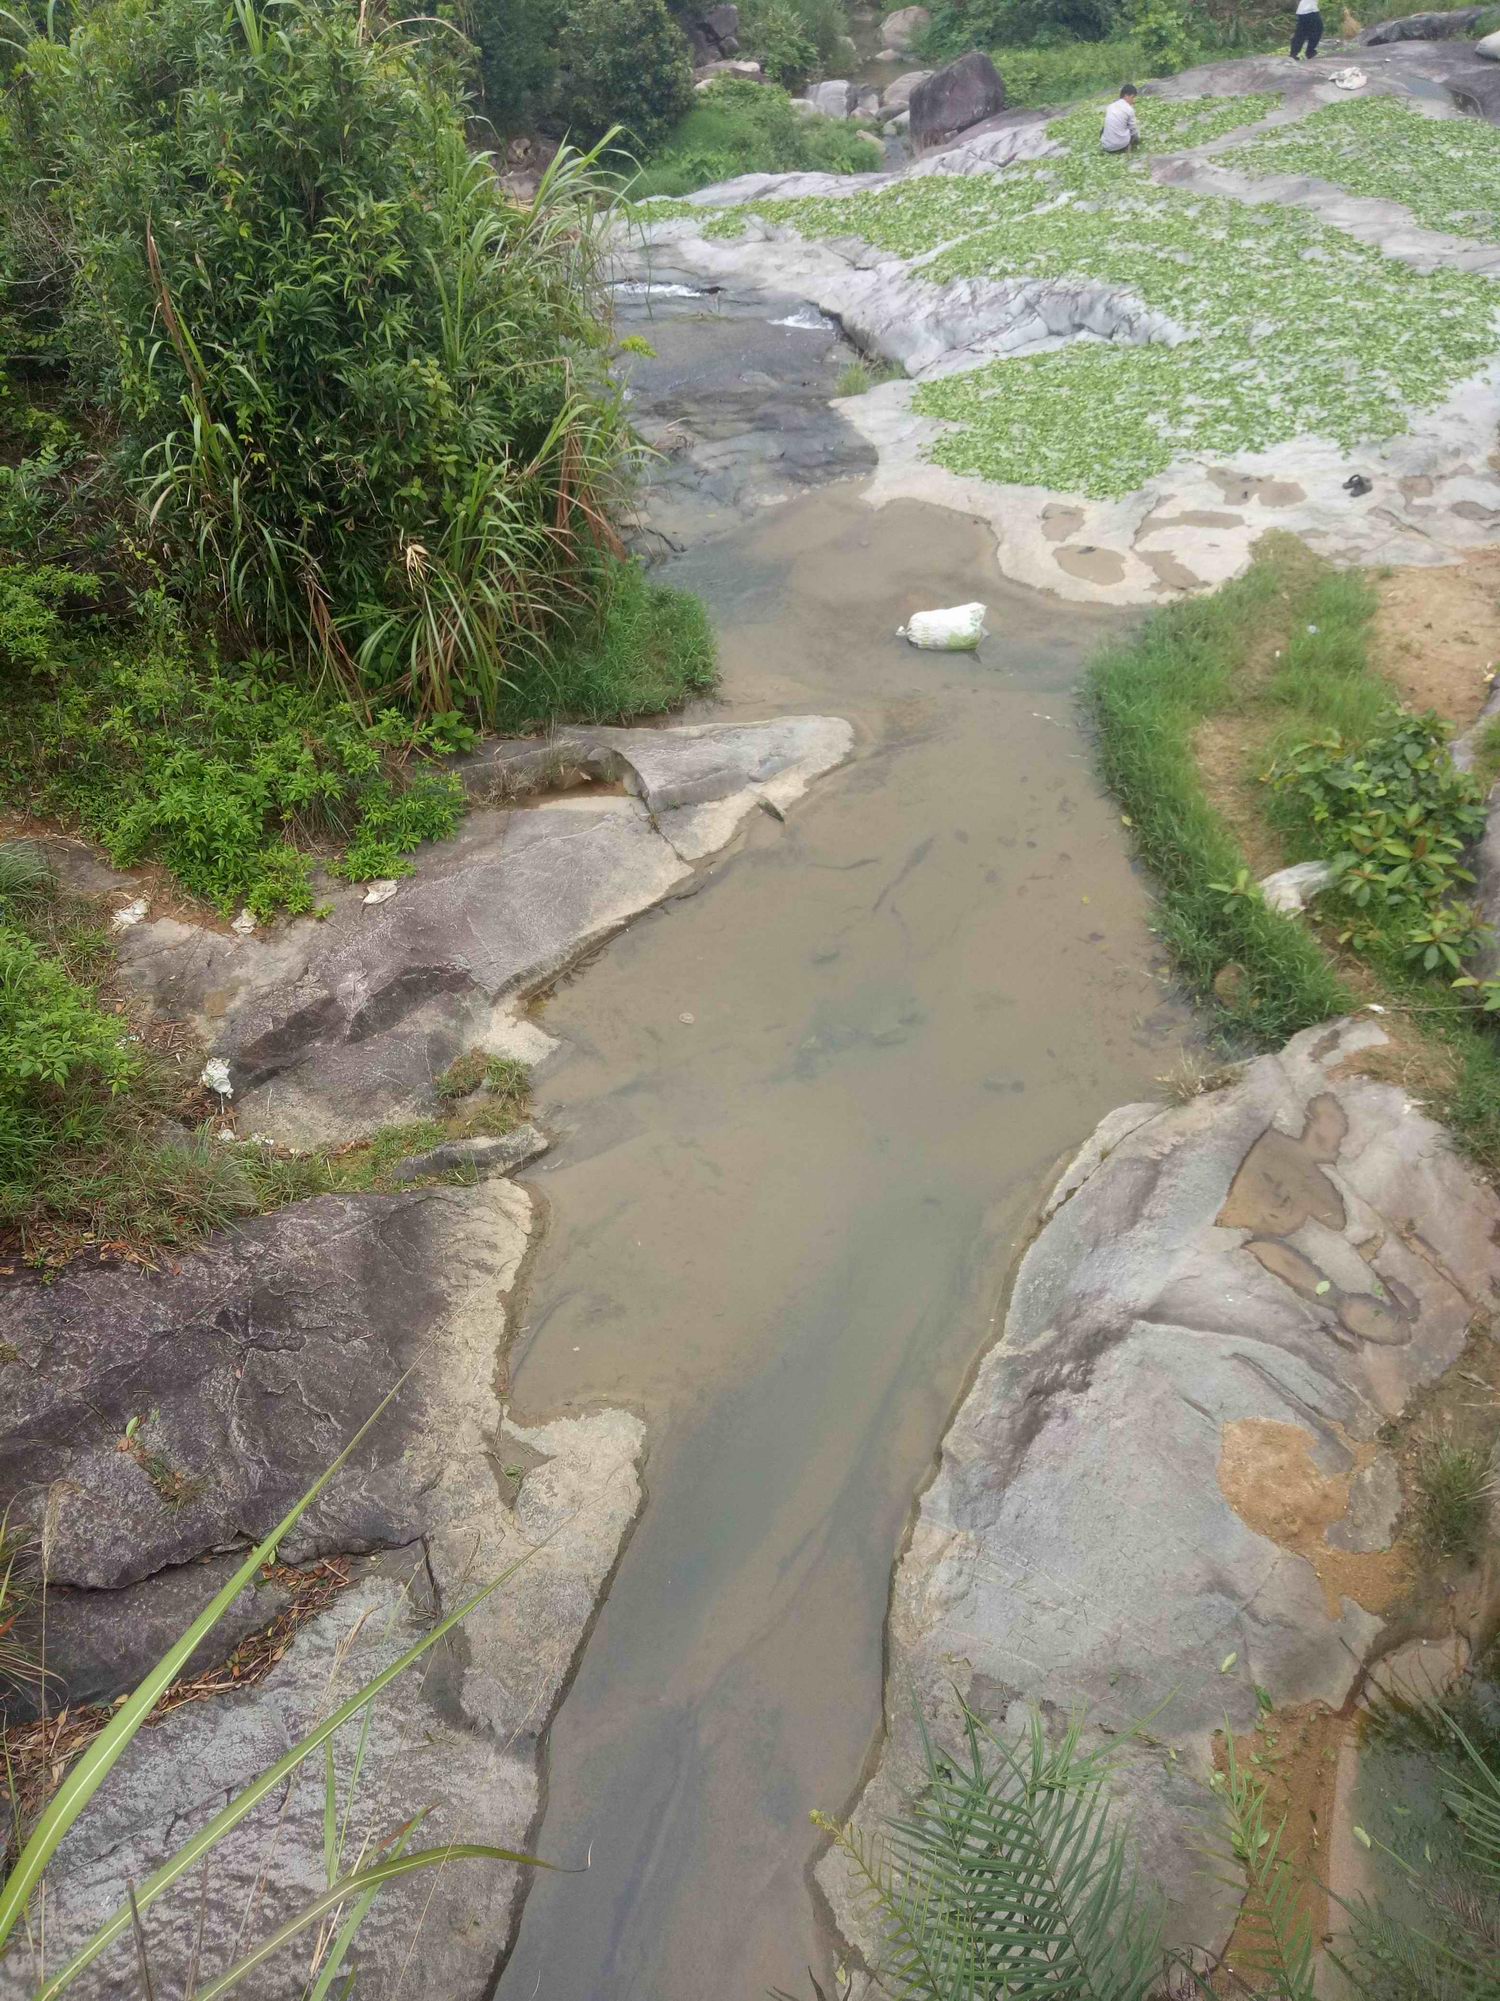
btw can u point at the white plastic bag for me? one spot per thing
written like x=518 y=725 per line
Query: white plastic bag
x=1349 y=79
x=959 y=629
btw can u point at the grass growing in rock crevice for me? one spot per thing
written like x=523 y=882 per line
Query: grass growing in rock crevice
x=1280 y=656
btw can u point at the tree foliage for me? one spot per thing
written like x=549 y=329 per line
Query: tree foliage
x=359 y=392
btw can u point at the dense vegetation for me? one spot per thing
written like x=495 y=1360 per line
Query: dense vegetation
x=308 y=454
x=1051 y=50
x=740 y=128
x=1339 y=770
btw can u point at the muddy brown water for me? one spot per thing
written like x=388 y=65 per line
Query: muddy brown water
x=805 y=1114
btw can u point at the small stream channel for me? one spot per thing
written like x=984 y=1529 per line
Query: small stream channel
x=804 y=1116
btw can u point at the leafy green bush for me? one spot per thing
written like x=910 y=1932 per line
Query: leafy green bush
x=59 y=1051
x=625 y=63
x=779 y=42
x=359 y=389
x=30 y=597
x=1162 y=30
x=794 y=40
x=226 y=776
x=738 y=127
x=958 y=25
x=517 y=43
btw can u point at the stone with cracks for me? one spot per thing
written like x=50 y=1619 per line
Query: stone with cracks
x=332 y=1027
x=952 y=99
x=1173 y=1456
x=249 y=1368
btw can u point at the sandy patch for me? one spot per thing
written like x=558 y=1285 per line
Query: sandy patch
x=1436 y=634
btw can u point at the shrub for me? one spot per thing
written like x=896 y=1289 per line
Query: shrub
x=1161 y=28
x=958 y=25
x=739 y=127
x=224 y=775
x=625 y=63
x=356 y=385
x=776 y=35
x=517 y=43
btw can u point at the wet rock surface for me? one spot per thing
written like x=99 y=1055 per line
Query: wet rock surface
x=1173 y=1455
x=331 y=1026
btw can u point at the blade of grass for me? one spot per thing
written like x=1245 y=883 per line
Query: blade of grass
x=98 y=1760
x=338 y=1893
x=268 y=1781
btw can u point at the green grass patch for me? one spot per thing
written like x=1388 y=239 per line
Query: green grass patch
x=1455 y=1484
x=1290 y=329
x=738 y=127
x=240 y=780
x=863 y=374
x=1445 y=171
x=1216 y=657
x=1487 y=754
x=646 y=648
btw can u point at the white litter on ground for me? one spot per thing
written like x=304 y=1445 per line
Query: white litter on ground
x=958 y=629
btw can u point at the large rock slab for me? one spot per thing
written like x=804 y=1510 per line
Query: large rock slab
x=333 y=1026
x=249 y=1367
x=1173 y=1456
x=900 y=30
x=1434 y=493
x=1439 y=27
x=962 y=94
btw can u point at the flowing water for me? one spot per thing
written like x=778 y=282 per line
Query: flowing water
x=805 y=1114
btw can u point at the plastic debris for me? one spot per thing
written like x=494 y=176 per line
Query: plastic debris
x=1356 y=484
x=245 y=923
x=128 y=914
x=381 y=891
x=215 y=1077
x=958 y=629
x=1349 y=79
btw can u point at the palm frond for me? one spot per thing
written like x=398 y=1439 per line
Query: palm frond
x=1005 y=1879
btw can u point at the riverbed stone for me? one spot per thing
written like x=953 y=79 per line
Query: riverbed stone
x=333 y=1026
x=834 y=98
x=1488 y=47
x=900 y=30
x=248 y=1367
x=1193 y=525
x=1168 y=1486
x=897 y=95
x=948 y=102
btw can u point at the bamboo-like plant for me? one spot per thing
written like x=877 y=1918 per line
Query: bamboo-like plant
x=349 y=1894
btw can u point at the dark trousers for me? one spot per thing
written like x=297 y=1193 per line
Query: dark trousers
x=1307 y=34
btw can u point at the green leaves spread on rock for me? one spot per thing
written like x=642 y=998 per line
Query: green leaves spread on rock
x=1280 y=326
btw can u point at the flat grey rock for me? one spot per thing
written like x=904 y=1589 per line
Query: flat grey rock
x=331 y=1028
x=1194 y=524
x=897 y=96
x=485 y=1153
x=834 y=99
x=250 y=1367
x=1226 y=1302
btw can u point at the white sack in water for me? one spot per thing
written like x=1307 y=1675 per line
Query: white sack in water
x=959 y=629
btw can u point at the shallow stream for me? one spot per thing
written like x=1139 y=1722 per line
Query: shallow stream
x=804 y=1116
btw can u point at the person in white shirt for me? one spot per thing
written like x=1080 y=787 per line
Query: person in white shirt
x=1121 y=132
x=1308 y=31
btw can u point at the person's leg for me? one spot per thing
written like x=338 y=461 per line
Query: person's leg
x=1297 y=36
x=1314 y=33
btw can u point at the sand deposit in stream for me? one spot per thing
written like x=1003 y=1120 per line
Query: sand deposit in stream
x=803 y=1118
